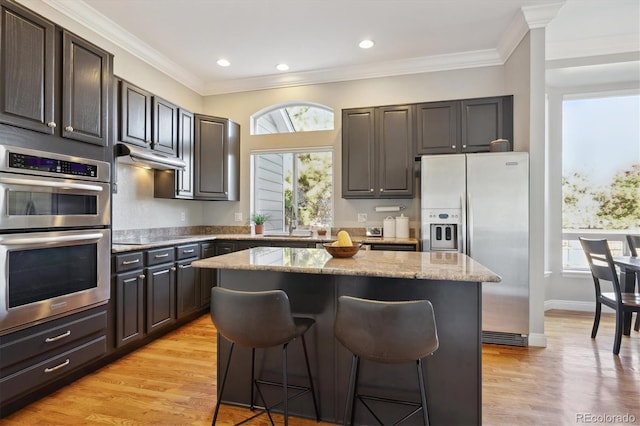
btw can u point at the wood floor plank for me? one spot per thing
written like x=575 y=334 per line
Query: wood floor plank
x=172 y=381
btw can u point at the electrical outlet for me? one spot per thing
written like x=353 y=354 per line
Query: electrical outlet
x=362 y=217
x=238 y=216
x=183 y=216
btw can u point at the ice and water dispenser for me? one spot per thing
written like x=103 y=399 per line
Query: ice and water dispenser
x=444 y=227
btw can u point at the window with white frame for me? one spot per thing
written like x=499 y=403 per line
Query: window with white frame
x=291 y=117
x=600 y=172
x=295 y=185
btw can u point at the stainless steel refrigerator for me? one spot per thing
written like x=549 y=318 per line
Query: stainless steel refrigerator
x=478 y=204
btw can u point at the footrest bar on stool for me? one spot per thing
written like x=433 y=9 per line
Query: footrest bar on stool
x=364 y=398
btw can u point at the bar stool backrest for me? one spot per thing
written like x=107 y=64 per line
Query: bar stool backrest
x=260 y=319
x=387 y=332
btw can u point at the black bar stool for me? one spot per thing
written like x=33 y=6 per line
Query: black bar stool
x=260 y=319
x=385 y=332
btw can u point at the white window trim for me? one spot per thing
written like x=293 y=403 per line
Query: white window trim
x=256 y=115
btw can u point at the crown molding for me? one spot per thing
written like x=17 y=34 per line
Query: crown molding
x=87 y=16
x=593 y=47
x=473 y=59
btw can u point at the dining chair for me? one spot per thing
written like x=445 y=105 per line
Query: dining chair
x=603 y=269
x=634 y=246
x=260 y=319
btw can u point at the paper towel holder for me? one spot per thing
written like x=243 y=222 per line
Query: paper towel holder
x=389 y=208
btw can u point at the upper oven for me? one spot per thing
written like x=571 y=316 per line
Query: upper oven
x=41 y=190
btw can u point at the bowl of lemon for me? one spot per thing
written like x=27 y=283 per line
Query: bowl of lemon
x=343 y=247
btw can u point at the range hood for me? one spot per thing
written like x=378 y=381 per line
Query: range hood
x=137 y=156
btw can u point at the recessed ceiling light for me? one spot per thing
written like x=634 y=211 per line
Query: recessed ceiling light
x=223 y=62
x=282 y=67
x=366 y=44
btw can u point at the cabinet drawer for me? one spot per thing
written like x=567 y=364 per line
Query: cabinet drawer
x=158 y=256
x=187 y=251
x=128 y=261
x=47 y=340
x=52 y=368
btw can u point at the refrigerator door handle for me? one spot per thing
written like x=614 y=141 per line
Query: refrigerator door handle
x=470 y=225
x=462 y=236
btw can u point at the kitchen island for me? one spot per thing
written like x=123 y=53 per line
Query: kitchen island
x=314 y=280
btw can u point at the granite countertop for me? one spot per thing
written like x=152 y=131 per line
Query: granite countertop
x=393 y=264
x=143 y=244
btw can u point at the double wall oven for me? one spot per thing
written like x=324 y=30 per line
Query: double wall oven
x=55 y=236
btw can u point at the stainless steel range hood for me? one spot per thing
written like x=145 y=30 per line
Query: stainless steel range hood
x=136 y=156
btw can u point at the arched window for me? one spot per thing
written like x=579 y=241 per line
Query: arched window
x=290 y=117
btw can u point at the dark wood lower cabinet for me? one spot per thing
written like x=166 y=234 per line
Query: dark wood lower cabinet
x=161 y=296
x=129 y=307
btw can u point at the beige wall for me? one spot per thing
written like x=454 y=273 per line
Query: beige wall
x=468 y=83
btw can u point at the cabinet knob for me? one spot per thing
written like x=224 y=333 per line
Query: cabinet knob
x=173 y=268
x=371 y=190
x=69 y=128
x=453 y=147
x=52 y=124
x=226 y=193
x=142 y=276
x=381 y=189
x=464 y=146
x=181 y=266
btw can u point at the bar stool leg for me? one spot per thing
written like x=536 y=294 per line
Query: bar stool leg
x=224 y=380
x=423 y=396
x=350 y=404
x=284 y=384
x=313 y=392
x=253 y=376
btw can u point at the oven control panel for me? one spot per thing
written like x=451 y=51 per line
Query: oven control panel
x=50 y=165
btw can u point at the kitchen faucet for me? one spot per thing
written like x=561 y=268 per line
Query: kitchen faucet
x=292 y=221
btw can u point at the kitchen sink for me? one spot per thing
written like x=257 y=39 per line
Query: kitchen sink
x=300 y=234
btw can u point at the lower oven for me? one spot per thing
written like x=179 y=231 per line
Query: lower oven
x=51 y=274
x=55 y=237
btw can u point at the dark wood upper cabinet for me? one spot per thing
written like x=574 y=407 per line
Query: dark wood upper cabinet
x=463 y=126
x=27 y=56
x=438 y=127
x=217 y=159
x=85 y=92
x=135 y=115
x=58 y=86
x=165 y=126
x=178 y=183
x=377 y=152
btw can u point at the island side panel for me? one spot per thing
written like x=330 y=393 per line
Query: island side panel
x=452 y=374
x=311 y=296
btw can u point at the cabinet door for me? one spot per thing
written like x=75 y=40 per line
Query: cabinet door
x=358 y=153
x=27 y=80
x=85 y=93
x=129 y=307
x=135 y=115
x=438 y=127
x=208 y=277
x=485 y=120
x=161 y=296
x=216 y=159
x=165 y=126
x=185 y=152
x=395 y=151
x=188 y=288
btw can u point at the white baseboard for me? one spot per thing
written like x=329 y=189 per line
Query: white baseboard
x=537 y=340
x=573 y=305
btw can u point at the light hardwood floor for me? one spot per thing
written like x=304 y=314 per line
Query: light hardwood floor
x=172 y=382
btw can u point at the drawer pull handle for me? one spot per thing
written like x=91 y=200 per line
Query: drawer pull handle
x=62 y=336
x=130 y=262
x=188 y=251
x=57 y=367
x=160 y=256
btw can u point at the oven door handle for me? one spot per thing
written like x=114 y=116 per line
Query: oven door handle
x=50 y=184
x=43 y=240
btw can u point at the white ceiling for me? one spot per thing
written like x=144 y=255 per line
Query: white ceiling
x=318 y=39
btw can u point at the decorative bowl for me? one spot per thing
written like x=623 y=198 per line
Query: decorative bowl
x=342 y=251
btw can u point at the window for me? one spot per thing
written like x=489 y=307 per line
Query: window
x=296 y=184
x=292 y=117
x=600 y=172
